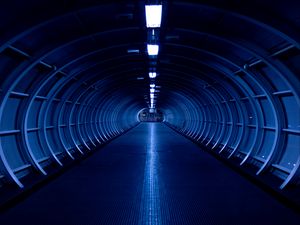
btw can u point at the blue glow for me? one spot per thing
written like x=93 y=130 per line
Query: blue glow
x=150 y=211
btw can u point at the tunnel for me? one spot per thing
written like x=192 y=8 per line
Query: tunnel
x=204 y=103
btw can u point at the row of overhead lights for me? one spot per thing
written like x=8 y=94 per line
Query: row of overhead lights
x=153 y=22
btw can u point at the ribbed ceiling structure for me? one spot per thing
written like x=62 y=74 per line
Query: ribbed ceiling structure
x=228 y=77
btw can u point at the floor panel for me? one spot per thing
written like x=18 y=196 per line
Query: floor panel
x=150 y=175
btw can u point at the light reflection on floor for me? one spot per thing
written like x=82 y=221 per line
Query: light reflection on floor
x=150 y=208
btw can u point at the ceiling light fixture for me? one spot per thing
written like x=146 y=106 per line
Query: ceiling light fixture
x=152 y=74
x=152 y=49
x=153 y=15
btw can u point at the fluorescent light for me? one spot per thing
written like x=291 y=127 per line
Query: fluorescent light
x=151 y=95
x=153 y=15
x=152 y=90
x=133 y=51
x=152 y=49
x=152 y=74
x=152 y=85
x=140 y=78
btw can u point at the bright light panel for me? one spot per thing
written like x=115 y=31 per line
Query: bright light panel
x=152 y=74
x=151 y=95
x=153 y=15
x=152 y=90
x=152 y=49
x=152 y=85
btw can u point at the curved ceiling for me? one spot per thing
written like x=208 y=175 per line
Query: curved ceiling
x=228 y=77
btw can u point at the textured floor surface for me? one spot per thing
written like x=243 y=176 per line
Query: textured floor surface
x=151 y=175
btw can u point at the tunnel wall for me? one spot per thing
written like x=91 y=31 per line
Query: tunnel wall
x=67 y=85
x=251 y=116
x=231 y=83
x=48 y=117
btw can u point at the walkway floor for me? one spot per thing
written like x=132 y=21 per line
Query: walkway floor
x=151 y=175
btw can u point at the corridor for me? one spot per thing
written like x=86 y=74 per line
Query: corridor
x=150 y=175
